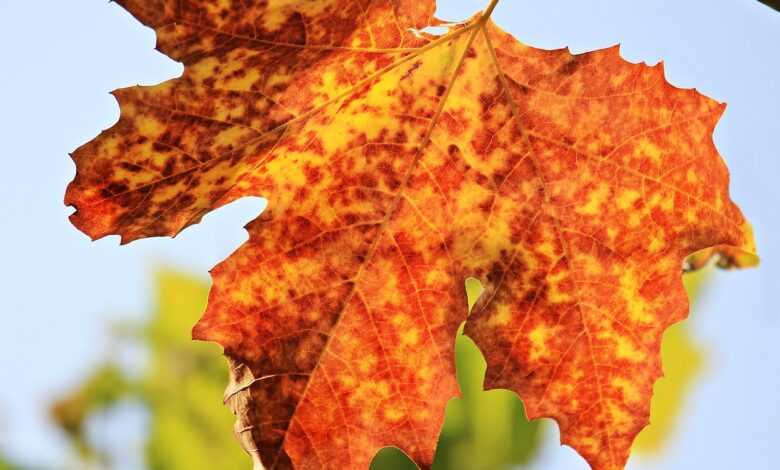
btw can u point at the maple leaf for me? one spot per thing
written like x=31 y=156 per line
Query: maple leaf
x=397 y=164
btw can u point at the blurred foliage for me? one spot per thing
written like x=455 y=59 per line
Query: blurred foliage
x=5 y=465
x=182 y=387
x=191 y=428
x=183 y=382
x=105 y=387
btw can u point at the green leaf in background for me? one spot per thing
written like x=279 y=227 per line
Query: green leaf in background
x=5 y=465
x=182 y=387
x=190 y=427
x=104 y=388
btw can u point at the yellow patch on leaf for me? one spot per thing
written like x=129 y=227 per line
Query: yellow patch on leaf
x=396 y=164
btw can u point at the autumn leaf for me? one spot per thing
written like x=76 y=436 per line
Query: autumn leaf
x=397 y=164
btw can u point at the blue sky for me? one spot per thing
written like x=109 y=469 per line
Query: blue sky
x=59 y=292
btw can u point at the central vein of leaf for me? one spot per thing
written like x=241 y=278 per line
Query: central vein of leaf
x=474 y=29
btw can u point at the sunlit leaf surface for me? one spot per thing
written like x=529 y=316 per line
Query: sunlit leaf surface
x=397 y=164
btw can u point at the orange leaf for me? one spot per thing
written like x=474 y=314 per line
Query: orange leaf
x=396 y=164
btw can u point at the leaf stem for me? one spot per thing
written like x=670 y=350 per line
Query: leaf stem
x=488 y=11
